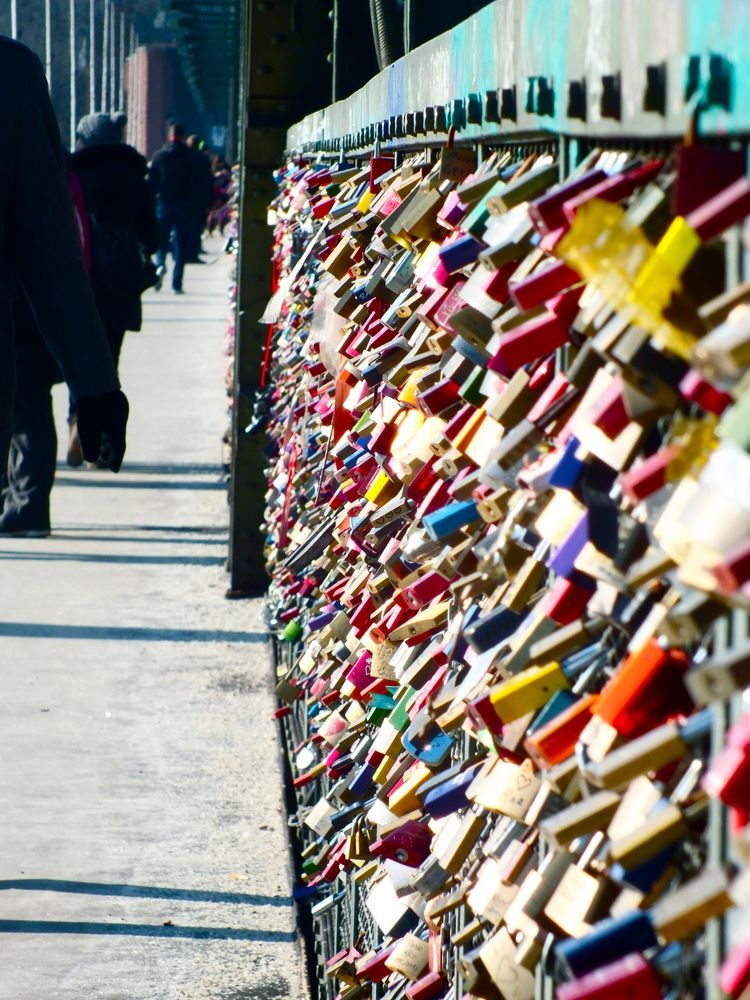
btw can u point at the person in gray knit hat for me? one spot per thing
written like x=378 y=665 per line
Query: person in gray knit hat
x=120 y=207
x=100 y=128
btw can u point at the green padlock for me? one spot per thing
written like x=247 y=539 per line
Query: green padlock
x=292 y=632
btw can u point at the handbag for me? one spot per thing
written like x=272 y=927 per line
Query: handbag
x=119 y=259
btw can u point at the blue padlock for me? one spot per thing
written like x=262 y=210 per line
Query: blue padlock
x=490 y=630
x=562 y=561
x=425 y=741
x=470 y=352
x=443 y=522
x=607 y=941
x=450 y=796
x=559 y=701
x=362 y=781
x=457 y=650
x=567 y=473
x=321 y=620
x=458 y=254
x=645 y=875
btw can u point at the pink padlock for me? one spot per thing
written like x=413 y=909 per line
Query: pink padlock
x=734 y=974
x=728 y=778
x=428 y=588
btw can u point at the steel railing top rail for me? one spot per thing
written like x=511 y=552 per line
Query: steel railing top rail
x=575 y=67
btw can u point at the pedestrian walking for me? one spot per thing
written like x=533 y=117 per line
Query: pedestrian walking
x=203 y=196
x=40 y=253
x=223 y=183
x=121 y=217
x=176 y=184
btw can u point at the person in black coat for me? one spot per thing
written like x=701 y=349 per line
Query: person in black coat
x=119 y=203
x=40 y=253
x=178 y=185
x=116 y=195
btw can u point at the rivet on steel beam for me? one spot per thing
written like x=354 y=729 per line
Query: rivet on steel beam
x=458 y=113
x=441 y=118
x=655 y=94
x=611 y=100
x=419 y=123
x=429 y=119
x=545 y=97
x=719 y=93
x=491 y=107
x=474 y=109
x=692 y=77
x=509 y=104
x=577 y=99
x=530 y=106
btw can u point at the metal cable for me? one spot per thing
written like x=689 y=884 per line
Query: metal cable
x=386 y=17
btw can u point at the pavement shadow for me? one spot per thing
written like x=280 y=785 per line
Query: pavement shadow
x=158 y=468
x=34 y=630
x=160 y=529
x=118 y=483
x=112 y=557
x=143 y=930
x=141 y=891
x=63 y=535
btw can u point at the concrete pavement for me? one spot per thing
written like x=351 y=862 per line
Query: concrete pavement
x=143 y=851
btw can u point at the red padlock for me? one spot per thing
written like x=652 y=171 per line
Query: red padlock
x=624 y=979
x=409 y=844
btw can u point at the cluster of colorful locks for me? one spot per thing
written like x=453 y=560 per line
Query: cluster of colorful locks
x=508 y=524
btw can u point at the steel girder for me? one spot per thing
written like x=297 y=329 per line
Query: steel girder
x=208 y=40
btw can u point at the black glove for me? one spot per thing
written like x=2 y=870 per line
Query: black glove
x=101 y=428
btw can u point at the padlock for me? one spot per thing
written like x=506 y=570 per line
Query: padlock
x=729 y=775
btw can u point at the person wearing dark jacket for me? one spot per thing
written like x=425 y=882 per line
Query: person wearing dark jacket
x=120 y=209
x=176 y=184
x=204 y=197
x=116 y=207
x=117 y=197
x=40 y=253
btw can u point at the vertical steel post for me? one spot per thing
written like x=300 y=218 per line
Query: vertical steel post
x=263 y=137
x=73 y=74
x=717 y=833
x=48 y=41
x=247 y=574
x=113 y=63
x=14 y=18
x=112 y=56
x=92 y=55
x=104 y=105
x=121 y=62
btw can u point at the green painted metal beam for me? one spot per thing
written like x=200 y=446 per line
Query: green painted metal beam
x=572 y=67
